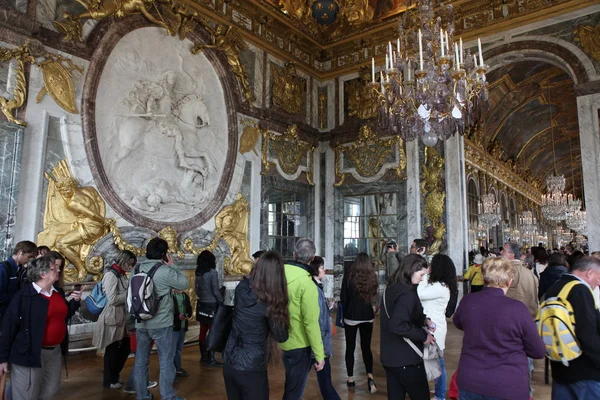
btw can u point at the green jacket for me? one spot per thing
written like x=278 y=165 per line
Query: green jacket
x=165 y=278
x=304 y=311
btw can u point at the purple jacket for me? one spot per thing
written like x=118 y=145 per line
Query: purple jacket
x=499 y=336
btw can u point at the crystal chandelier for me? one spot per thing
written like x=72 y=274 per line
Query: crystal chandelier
x=488 y=211
x=528 y=225
x=561 y=235
x=555 y=203
x=430 y=87
x=578 y=222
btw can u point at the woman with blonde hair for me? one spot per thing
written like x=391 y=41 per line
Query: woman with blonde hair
x=497 y=342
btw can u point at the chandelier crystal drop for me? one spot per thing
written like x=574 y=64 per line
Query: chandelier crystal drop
x=578 y=222
x=488 y=211
x=430 y=87
x=528 y=224
x=555 y=203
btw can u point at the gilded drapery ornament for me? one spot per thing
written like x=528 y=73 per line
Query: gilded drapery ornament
x=170 y=235
x=434 y=195
x=228 y=39
x=289 y=151
x=250 y=136
x=589 y=38
x=288 y=89
x=362 y=99
x=58 y=81
x=74 y=220
x=10 y=106
x=368 y=154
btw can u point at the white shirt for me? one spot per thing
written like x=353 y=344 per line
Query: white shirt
x=42 y=291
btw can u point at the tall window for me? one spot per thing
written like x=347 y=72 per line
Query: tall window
x=286 y=221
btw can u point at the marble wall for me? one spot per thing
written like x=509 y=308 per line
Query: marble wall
x=11 y=146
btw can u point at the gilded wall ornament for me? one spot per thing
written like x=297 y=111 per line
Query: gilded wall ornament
x=170 y=235
x=322 y=110
x=58 y=81
x=289 y=151
x=589 y=38
x=362 y=99
x=250 y=136
x=432 y=183
x=10 y=106
x=228 y=39
x=288 y=89
x=74 y=220
x=369 y=154
x=231 y=225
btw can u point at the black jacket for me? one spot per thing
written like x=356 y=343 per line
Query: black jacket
x=24 y=324
x=246 y=348
x=354 y=307
x=406 y=321
x=188 y=312
x=587 y=331
x=548 y=277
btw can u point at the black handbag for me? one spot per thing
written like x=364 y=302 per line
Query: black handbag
x=221 y=329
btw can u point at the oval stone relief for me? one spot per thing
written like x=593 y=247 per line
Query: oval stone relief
x=163 y=144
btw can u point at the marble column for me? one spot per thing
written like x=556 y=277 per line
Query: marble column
x=456 y=202
x=413 y=193
x=588 y=110
x=11 y=146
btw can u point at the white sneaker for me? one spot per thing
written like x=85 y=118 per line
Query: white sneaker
x=116 y=385
x=152 y=384
x=131 y=391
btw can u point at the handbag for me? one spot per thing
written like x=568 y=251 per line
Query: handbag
x=206 y=310
x=221 y=329
x=339 y=315
x=430 y=354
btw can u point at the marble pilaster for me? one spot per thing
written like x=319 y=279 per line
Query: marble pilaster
x=588 y=110
x=456 y=202
x=329 y=190
x=11 y=146
x=413 y=193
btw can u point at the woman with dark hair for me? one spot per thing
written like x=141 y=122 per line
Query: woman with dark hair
x=541 y=259
x=403 y=318
x=435 y=294
x=209 y=296
x=358 y=292
x=260 y=320
x=110 y=332
x=317 y=270
x=557 y=267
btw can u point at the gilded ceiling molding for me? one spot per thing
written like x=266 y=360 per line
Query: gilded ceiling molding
x=287 y=152
x=494 y=170
x=369 y=157
x=589 y=38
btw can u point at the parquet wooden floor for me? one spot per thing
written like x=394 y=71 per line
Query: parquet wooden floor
x=85 y=375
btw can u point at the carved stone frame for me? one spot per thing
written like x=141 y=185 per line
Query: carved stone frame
x=233 y=101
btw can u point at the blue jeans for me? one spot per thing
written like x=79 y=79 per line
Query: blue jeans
x=178 y=340
x=163 y=338
x=297 y=364
x=582 y=390
x=440 y=383
x=325 y=384
x=530 y=373
x=464 y=395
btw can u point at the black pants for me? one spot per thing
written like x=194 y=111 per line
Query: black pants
x=325 y=384
x=366 y=331
x=115 y=356
x=411 y=380
x=251 y=385
x=476 y=288
x=297 y=364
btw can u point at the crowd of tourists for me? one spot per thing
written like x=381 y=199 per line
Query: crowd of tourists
x=280 y=313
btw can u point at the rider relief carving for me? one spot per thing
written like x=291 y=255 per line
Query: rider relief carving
x=163 y=135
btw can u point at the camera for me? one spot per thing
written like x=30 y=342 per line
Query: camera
x=391 y=244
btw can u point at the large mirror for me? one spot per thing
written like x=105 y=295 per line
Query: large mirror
x=370 y=222
x=286 y=220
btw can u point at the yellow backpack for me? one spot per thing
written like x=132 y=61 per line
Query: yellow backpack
x=555 y=322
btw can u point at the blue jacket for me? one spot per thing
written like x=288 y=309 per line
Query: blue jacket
x=9 y=283
x=325 y=322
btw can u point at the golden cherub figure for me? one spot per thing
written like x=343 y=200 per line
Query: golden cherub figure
x=232 y=226
x=228 y=39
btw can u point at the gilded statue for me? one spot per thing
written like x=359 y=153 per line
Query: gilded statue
x=10 y=106
x=58 y=81
x=589 y=37
x=362 y=99
x=228 y=39
x=357 y=12
x=74 y=220
x=288 y=89
x=322 y=110
x=170 y=235
x=432 y=176
x=232 y=226
x=102 y=9
x=295 y=8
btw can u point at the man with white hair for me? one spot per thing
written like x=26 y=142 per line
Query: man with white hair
x=305 y=332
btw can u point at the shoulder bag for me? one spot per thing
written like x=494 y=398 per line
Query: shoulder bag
x=220 y=329
x=430 y=353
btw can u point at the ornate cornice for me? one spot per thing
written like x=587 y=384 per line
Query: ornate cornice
x=476 y=159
